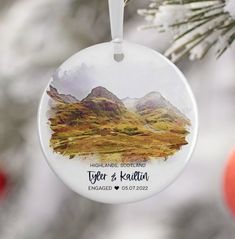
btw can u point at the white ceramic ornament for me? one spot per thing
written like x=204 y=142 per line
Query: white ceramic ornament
x=118 y=121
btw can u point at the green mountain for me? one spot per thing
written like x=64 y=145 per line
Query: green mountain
x=103 y=126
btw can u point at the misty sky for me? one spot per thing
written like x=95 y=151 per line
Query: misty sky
x=134 y=77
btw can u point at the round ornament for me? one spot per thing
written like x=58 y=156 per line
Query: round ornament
x=3 y=184
x=229 y=183
x=117 y=121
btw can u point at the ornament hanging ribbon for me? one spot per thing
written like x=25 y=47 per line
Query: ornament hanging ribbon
x=116 y=11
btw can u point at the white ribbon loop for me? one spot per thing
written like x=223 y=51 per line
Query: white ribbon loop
x=116 y=11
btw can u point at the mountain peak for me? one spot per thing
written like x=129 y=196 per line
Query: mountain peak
x=152 y=100
x=130 y=103
x=153 y=94
x=62 y=98
x=155 y=100
x=102 y=92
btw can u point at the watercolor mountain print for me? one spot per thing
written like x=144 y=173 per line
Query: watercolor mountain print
x=115 y=130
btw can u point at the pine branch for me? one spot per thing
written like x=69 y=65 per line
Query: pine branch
x=198 y=25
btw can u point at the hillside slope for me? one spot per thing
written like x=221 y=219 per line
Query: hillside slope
x=103 y=126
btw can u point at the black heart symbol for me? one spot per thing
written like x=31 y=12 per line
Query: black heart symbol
x=116 y=187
